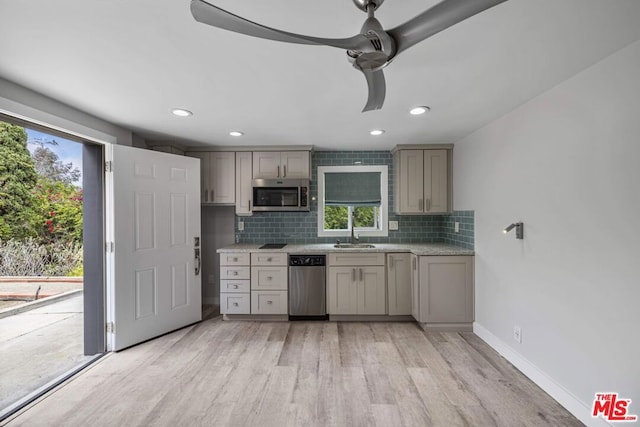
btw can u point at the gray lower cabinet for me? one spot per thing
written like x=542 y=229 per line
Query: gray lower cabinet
x=235 y=285
x=269 y=283
x=399 y=284
x=356 y=284
x=443 y=290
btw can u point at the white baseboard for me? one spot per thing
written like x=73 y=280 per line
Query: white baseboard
x=568 y=400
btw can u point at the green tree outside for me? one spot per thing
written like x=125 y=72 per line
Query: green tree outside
x=40 y=207
x=17 y=181
x=337 y=217
x=49 y=166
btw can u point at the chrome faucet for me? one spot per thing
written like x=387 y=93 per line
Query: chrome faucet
x=354 y=235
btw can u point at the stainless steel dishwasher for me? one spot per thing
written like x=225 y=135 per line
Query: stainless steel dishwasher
x=307 y=287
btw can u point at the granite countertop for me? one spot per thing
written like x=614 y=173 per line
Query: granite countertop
x=320 y=248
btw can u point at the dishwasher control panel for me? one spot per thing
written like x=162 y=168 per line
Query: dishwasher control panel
x=307 y=260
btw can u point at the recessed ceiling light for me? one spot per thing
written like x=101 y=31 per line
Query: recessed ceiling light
x=377 y=132
x=181 y=112
x=236 y=133
x=416 y=111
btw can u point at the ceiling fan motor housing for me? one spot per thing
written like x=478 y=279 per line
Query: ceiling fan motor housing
x=364 y=4
x=376 y=49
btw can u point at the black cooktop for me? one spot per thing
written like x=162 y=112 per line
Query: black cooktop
x=273 y=246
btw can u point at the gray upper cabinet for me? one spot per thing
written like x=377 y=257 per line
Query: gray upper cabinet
x=244 y=191
x=281 y=164
x=217 y=176
x=421 y=181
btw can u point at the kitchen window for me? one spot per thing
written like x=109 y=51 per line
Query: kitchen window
x=352 y=197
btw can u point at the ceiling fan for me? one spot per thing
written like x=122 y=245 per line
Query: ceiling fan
x=369 y=51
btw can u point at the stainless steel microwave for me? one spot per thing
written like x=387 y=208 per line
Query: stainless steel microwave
x=280 y=195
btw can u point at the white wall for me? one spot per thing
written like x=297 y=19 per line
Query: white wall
x=567 y=164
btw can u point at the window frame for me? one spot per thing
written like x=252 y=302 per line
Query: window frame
x=383 y=231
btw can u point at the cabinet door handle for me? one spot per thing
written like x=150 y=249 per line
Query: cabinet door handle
x=284 y=171
x=235 y=286
x=413 y=263
x=213 y=196
x=235 y=304
x=235 y=273
x=361 y=275
x=235 y=259
x=390 y=262
x=420 y=205
x=353 y=274
x=206 y=195
x=278 y=174
x=269 y=302
x=428 y=205
x=269 y=259
x=249 y=205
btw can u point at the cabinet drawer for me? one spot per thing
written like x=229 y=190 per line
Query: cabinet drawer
x=235 y=273
x=235 y=303
x=234 y=258
x=269 y=278
x=269 y=258
x=235 y=286
x=269 y=302
x=356 y=258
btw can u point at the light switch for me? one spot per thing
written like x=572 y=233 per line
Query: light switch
x=240 y=225
x=456 y=227
x=393 y=225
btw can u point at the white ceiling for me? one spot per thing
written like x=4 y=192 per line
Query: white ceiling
x=129 y=62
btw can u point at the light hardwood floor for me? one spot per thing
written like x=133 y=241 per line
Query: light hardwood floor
x=301 y=374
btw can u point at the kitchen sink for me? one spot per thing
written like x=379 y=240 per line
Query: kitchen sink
x=353 y=246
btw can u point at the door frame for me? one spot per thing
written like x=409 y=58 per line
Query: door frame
x=93 y=244
x=94 y=283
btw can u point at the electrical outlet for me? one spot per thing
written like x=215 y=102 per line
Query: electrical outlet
x=456 y=227
x=240 y=225
x=517 y=334
x=393 y=225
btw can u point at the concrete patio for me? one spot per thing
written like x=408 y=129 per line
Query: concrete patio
x=38 y=346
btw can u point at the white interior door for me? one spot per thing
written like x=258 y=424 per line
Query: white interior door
x=154 y=284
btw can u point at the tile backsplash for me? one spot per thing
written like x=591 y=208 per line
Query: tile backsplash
x=302 y=227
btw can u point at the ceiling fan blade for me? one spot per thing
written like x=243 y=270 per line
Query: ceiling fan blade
x=377 y=89
x=440 y=17
x=209 y=14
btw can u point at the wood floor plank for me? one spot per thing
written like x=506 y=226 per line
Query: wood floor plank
x=439 y=408
x=404 y=337
x=486 y=386
x=411 y=407
x=358 y=404
x=243 y=373
x=386 y=415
